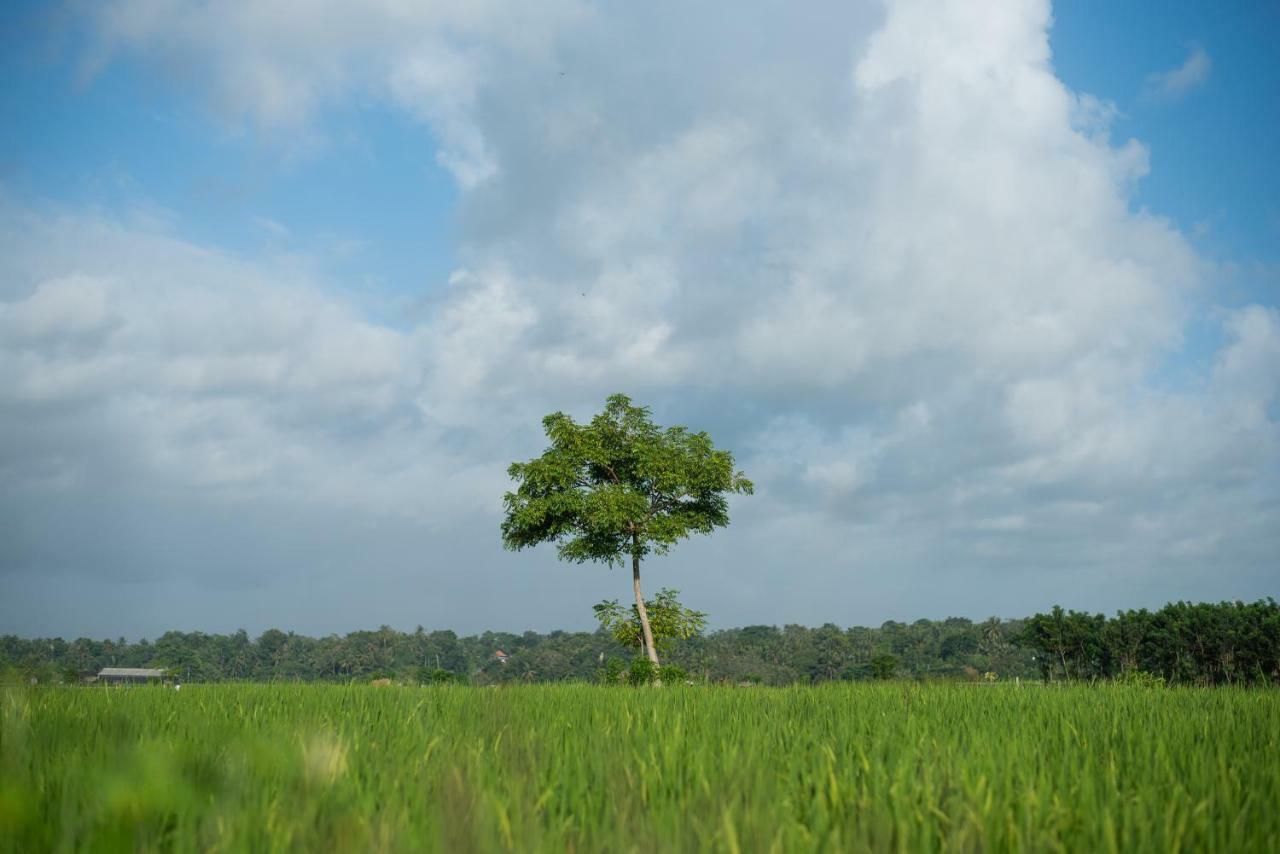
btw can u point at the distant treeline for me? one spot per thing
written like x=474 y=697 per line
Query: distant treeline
x=1182 y=642
x=1210 y=643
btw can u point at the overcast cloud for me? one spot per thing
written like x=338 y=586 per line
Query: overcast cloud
x=883 y=254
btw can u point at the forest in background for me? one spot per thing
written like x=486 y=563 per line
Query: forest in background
x=1184 y=643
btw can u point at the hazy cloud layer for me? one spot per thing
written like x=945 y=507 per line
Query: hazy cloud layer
x=1176 y=82
x=882 y=253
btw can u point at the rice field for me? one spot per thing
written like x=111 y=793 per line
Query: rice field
x=886 y=767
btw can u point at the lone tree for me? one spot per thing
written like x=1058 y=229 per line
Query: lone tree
x=619 y=487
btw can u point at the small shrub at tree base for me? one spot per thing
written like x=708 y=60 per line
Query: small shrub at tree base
x=641 y=672
x=668 y=619
x=671 y=674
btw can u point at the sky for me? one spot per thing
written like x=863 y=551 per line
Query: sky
x=985 y=298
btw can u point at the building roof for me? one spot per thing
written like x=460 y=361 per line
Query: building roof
x=142 y=672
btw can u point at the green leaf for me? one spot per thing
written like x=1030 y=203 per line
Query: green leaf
x=618 y=487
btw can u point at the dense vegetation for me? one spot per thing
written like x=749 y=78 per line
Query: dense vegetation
x=1181 y=643
x=948 y=648
x=873 y=766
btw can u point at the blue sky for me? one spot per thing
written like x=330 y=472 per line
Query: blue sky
x=124 y=136
x=1210 y=162
x=1210 y=171
x=282 y=296
x=367 y=191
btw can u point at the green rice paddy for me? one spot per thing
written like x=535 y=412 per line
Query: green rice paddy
x=885 y=767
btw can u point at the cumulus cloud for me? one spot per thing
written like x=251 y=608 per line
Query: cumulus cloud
x=1177 y=82
x=882 y=252
x=278 y=66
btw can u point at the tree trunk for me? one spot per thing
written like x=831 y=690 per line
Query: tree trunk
x=644 y=612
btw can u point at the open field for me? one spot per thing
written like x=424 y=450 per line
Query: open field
x=894 y=766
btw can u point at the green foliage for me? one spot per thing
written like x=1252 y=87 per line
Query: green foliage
x=1184 y=644
x=668 y=620
x=671 y=674
x=641 y=672
x=435 y=676
x=838 y=767
x=613 y=671
x=1141 y=679
x=1205 y=643
x=884 y=666
x=619 y=487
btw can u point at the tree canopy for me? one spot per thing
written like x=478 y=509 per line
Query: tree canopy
x=619 y=487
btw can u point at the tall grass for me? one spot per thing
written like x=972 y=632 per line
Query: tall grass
x=899 y=767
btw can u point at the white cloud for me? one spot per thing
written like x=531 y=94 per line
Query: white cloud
x=883 y=253
x=1177 y=82
x=62 y=310
x=278 y=65
x=199 y=370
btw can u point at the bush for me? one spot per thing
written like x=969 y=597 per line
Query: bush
x=671 y=674
x=641 y=672
x=435 y=676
